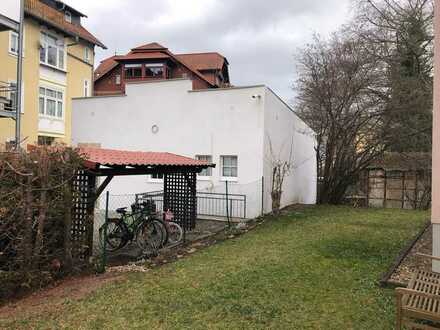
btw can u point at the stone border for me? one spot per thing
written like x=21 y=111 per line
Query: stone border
x=384 y=280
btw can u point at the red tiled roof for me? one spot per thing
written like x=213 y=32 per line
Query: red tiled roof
x=55 y=18
x=141 y=56
x=110 y=63
x=109 y=157
x=149 y=51
x=203 y=61
x=105 y=66
x=150 y=46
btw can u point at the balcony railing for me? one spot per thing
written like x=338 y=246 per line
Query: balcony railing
x=8 y=94
x=42 y=11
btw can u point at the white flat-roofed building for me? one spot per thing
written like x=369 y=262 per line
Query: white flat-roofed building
x=239 y=129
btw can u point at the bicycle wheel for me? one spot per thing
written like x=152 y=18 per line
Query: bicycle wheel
x=116 y=235
x=149 y=235
x=161 y=224
x=175 y=232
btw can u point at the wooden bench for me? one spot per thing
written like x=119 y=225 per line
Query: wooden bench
x=420 y=301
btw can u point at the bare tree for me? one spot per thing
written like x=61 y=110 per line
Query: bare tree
x=280 y=169
x=339 y=96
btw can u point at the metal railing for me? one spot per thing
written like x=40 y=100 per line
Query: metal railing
x=208 y=204
x=219 y=205
x=156 y=196
x=7 y=95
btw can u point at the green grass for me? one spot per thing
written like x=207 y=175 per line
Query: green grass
x=311 y=269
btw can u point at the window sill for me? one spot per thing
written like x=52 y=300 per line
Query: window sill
x=155 y=180
x=228 y=179
x=51 y=118
x=52 y=67
x=15 y=55
x=145 y=78
x=204 y=178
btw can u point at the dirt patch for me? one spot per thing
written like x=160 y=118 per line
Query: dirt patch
x=412 y=263
x=52 y=299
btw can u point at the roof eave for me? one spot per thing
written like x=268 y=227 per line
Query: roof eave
x=65 y=31
x=105 y=73
x=73 y=10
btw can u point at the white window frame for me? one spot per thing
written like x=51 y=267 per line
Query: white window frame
x=227 y=178
x=68 y=16
x=154 y=180
x=44 y=44
x=118 y=79
x=62 y=100
x=15 y=34
x=87 y=88
x=86 y=54
x=204 y=158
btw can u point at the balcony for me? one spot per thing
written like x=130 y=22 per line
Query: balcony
x=8 y=94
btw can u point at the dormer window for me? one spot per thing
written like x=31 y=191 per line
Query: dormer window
x=154 y=70
x=68 y=16
x=133 y=71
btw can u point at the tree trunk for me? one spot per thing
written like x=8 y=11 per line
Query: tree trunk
x=276 y=202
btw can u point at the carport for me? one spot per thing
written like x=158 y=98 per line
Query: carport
x=180 y=178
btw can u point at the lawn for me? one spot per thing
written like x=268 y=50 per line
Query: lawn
x=315 y=268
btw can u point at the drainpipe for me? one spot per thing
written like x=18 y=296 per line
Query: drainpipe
x=19 y=78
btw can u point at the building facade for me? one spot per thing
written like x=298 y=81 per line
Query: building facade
x=153 y=62
x=243 y=130
x=58 y=60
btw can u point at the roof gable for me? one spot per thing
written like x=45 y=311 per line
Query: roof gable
x=55 y=18
x=105 y=67
x=149 y=51
x=151 y=46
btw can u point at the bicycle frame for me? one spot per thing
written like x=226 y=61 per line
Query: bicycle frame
x=132 y=220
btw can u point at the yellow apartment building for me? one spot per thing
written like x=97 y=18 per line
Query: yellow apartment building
x=58 y=60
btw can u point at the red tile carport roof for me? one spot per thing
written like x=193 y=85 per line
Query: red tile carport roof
x=110 y=157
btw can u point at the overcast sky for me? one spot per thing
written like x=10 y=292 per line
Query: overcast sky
x=258 y=37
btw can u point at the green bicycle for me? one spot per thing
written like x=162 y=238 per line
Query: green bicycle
x=140 y=225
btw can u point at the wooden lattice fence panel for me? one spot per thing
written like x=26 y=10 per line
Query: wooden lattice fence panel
x=181 y=198
x=82 y=215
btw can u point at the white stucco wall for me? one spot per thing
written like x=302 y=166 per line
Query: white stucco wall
x=214 y=122
x=10 y=9
x=209 y=122
x=293 y=141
